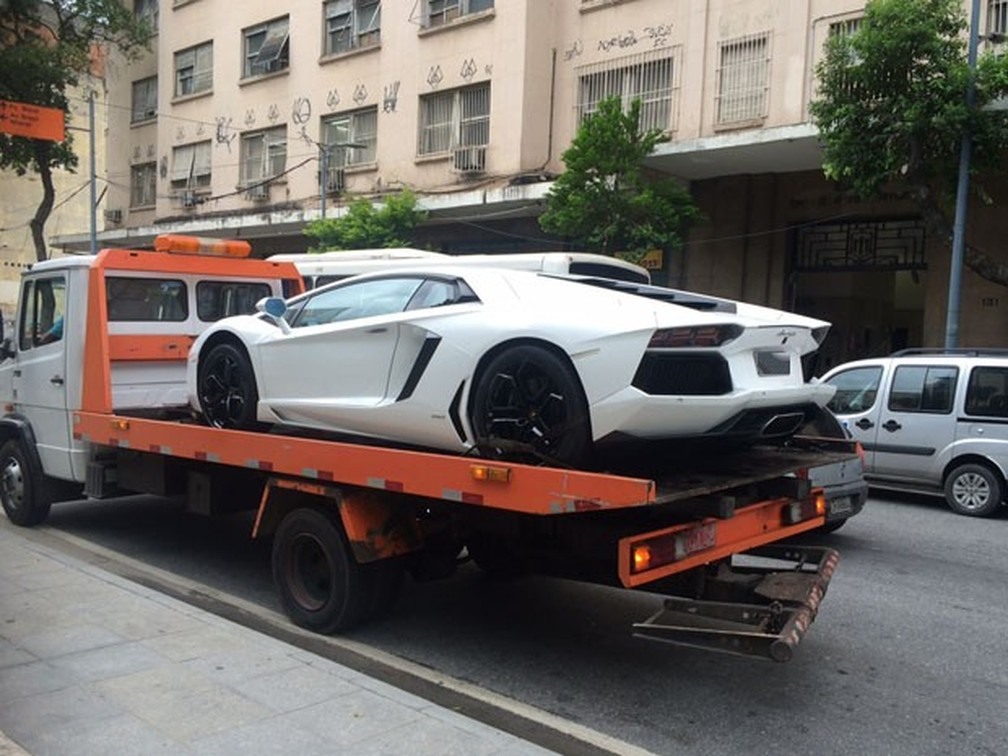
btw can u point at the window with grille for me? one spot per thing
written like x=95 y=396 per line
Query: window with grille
x=194 y=70
x=266 y=47
x=351 y=24
x=352 y=138
x=456 y=118
x=143 y=184
x=144 y=100
x=191 y=165
x=647 y=77
x=845 y=28
x=743 y=79
x=441 y=12
x=997 y=23
x=147 y=10
x=263 y=155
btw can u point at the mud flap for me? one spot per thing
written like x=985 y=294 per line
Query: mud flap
x=788 y=584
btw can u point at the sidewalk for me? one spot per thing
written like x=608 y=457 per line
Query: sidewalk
x=91 y=663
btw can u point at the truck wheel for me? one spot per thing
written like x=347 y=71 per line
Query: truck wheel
x=321 y=586
x=529 y=397
x=24 y=491
x=227 y=388
x=973 y=490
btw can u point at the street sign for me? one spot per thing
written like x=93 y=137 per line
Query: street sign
x=32 y=121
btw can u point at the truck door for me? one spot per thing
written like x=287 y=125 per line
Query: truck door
x=39 y=374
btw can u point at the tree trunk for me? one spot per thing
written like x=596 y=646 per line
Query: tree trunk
x=43 y=154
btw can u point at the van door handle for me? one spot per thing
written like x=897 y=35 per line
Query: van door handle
x=864 y=423
x=891 y=425
x=56 y=380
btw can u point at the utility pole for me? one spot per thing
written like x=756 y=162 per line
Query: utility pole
x=962 y=192
x=94 y=187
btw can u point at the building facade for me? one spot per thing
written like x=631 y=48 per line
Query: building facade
x=251 y=119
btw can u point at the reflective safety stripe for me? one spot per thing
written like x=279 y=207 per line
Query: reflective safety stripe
x=465 y=497
x=311 y=472
x=386 y=485
x=259 y=464
x=160 y=449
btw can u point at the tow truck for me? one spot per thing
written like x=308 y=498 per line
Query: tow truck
x=91 y=389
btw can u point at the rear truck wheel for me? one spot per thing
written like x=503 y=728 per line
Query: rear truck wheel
x=227 y=389
x=321 y=586
x=26 y=494
x=973 y=490
x=529 y=401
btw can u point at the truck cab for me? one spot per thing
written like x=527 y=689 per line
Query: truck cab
x=153 y=305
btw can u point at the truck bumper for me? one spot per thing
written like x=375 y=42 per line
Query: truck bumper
x=785 y=586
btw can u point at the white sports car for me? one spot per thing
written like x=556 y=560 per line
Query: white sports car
x=463 y=359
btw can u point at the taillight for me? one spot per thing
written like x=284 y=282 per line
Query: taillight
x=694 y=336
x=805 y=509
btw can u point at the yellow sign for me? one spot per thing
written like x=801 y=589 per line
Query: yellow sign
x=653 y=259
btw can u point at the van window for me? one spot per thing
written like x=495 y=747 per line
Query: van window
x=923 y=388
x=856 y=390
x=221 y=299
x=987 y=392
x=146 y=299
x=43 y=309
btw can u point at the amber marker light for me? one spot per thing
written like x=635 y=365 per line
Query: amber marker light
x=119 y=424
x=490 y=473
x=641 y=558
x=199 y=245
x=820 y=505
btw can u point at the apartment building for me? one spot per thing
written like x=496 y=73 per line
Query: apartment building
x=251 y=119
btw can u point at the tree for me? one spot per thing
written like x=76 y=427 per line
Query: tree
x=606 y=200
x=892 y=110
x=46 y=46
x=365 y=226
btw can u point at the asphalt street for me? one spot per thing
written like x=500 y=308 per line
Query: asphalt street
x=907 y=656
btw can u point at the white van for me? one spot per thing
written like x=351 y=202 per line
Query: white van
x=318 y=269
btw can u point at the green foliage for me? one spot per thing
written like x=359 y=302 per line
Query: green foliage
x=605 y=199
x=891 y=107
x=45 y=49
x=365 y=225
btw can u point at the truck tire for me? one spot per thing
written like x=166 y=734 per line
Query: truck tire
x=321 y=585
x=24 y=490
x=973 y=490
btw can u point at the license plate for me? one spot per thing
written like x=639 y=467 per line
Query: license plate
x=841 y=505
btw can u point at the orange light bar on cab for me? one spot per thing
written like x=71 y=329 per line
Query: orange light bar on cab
x=199 y=245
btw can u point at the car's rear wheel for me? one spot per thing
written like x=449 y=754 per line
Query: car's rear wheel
x=529 y=401
x=973 y=490
x=227 y=388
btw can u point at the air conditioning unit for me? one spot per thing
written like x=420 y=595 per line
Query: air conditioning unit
x=257 y=192
x=189 y=198
x=469 y=160
x=113 y=215
x=335 y=180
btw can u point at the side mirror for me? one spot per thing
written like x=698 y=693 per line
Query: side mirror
x=275 y=308
x=6 y=347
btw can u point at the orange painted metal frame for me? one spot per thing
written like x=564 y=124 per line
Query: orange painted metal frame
x=751 y=526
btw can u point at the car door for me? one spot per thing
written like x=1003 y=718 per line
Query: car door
x=335 y=361
x=916 y=423
x=857 y=404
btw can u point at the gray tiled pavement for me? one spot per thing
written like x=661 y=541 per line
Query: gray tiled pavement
x=91 y=663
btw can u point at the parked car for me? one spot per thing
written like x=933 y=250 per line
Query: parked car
x=459 y=359
x=931 y=421
x=843 y=482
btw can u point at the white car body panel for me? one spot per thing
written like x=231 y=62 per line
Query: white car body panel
x=348 y=376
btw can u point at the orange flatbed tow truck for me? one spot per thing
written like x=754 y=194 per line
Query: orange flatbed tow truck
x=96 y=411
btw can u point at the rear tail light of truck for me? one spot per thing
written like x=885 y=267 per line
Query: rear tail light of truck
x=667 y=548
x=686 y=337
x=805 y=509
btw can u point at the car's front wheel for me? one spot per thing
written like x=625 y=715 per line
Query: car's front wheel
x=227 y=388
x=974 y=490
x=527 y=400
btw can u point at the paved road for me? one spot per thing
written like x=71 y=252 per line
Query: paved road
x=908 y=656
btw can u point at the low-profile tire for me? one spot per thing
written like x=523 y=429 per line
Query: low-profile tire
x=531 y=398
x=974 y=490
x=321 y=586
x=24 y=490
x=226 y=388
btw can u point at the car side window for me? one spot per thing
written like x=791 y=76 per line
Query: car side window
x=381 y=296
x=923 y=388
x=438 y=293
x=987 y=392
x=856 y=390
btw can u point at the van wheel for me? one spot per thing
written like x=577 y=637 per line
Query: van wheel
x=25 y=493
x=973 y=490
